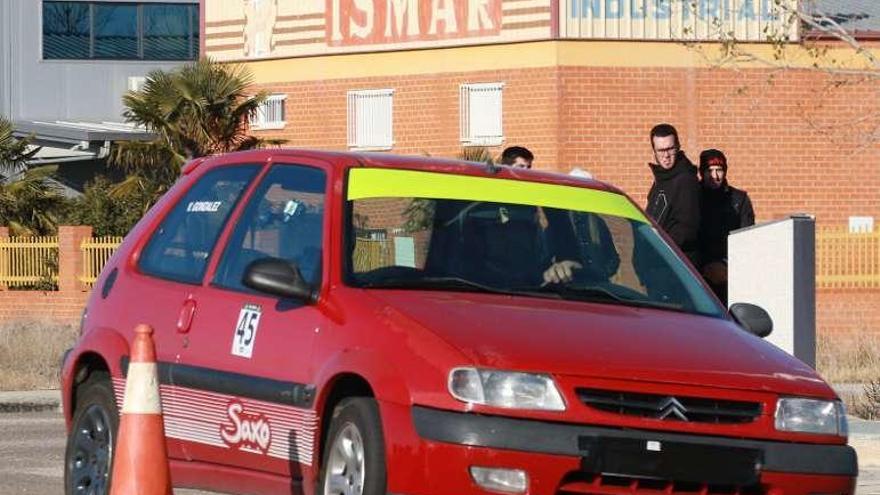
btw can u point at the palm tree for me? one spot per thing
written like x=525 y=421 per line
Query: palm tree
x=14 y=152
x=29 y=202
x=200 y=109
x=476 y=154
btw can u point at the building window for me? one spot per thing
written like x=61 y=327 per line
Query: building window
x=370 y=119
x=120 y=31
x=270 y=115
x=481 y=114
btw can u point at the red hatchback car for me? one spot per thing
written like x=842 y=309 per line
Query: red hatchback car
x=358 y=324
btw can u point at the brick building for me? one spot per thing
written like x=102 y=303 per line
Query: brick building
x=580 y=82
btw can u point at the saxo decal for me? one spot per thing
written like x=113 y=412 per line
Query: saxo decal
x=246 y=431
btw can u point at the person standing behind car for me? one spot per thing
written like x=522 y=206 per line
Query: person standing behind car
x=674 y=198
x=517 y=156
x=725 y=209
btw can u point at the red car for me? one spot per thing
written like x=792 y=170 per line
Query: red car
x=359 y=324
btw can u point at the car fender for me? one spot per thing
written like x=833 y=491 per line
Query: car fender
x=392 y=394
x=105 y=343
x=384 y=378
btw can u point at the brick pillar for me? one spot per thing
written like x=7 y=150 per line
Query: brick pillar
x=70 y=261
x=4 y=234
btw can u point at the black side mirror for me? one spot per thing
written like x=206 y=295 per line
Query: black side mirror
x=278 y=277
x=752 y=318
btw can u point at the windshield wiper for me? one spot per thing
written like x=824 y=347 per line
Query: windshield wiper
x=452 y=283
x=595 y=293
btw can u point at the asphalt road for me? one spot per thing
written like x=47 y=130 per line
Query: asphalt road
x=32 y=456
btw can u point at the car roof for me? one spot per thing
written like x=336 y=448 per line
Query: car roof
x=340 y=161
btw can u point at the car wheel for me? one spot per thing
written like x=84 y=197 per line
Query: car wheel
x=354 y=458
x=91 y=439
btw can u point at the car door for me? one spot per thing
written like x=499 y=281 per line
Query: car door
x=170 y=269
x=245 y=368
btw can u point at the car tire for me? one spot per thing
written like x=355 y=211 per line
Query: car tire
x=354 y=456
x=89 y=452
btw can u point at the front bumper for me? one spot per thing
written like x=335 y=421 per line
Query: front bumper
x=557 y=458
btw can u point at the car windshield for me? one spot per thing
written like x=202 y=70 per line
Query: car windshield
x=430 y=231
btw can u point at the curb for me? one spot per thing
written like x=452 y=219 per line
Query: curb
x=30 y=401
x=20 y=407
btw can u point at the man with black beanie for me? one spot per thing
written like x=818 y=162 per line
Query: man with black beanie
x=725 y=209
x=674 y=198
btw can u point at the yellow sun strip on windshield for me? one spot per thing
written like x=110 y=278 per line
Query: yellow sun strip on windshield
x=390 y=183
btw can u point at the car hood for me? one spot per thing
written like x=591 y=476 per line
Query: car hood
x=607 y=341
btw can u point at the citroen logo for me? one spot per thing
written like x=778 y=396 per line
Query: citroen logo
x=672 y=407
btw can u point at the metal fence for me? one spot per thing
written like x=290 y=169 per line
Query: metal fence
x=29 y=262
x=370 y=254
x=846 y=260
x=95 y=253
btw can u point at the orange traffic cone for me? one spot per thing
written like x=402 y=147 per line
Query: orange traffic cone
x=140 y=463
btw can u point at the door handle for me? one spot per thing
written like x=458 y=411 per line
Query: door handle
x=185 y=319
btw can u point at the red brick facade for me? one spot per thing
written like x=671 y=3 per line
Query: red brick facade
x=794 y=140
x=789 y=136
x=62 y=306
x=848 y=317
x=797 y=140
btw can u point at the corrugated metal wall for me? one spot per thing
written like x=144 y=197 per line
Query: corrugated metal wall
x=744 y=20
x=5 y=60
x=36 y=89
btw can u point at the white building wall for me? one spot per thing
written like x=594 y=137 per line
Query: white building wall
x=36 y=89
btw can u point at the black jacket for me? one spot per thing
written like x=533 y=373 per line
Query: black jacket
x=724 y=210
x=674 y=203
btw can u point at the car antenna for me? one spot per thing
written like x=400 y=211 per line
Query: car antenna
x=491 y=167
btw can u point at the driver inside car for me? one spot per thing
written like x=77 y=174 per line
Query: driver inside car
x=595 y=248
x=505 y=244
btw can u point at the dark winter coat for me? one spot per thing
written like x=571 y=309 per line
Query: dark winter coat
x=724 y=210
x=674 y=203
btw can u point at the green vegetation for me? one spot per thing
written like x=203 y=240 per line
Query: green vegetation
x=197 y=110
x=30 y=204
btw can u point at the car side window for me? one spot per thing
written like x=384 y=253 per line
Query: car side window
x=180 y=248
x=284 y=219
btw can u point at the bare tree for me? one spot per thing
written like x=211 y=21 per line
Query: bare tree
x=805 y=36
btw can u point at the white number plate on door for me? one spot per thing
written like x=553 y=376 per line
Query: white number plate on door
x=246 y=331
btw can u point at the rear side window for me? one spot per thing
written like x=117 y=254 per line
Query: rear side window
x=284 y=219
x=180 y=247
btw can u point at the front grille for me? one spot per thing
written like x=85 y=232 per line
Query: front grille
x=579 y=483
x=671 y=408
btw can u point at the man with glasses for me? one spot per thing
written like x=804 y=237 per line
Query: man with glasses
x=674 y=198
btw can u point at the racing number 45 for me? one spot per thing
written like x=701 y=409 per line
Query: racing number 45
x=246 y=331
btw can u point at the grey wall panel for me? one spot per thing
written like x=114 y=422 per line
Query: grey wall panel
x=5 y=45
x=56 y=89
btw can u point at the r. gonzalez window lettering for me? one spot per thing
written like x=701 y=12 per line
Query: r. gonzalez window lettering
x=179 y=249
x=209 y=206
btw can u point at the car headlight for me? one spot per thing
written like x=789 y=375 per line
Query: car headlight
x=509 y=389
x=811 y=416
